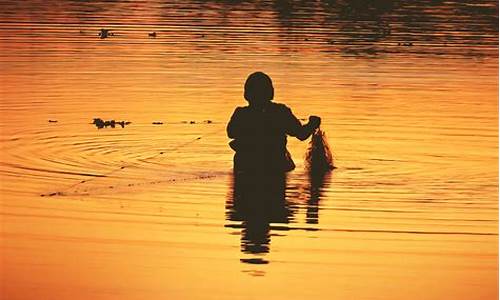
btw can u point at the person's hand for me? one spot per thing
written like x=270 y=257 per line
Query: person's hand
x=315 y=121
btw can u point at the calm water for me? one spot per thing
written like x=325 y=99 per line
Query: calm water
x=408 y=93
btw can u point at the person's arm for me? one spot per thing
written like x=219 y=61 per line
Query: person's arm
x=234 y=126
x=296 y=129
x=309 y=128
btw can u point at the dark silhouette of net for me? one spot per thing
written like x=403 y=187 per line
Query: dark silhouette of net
x=319 y=158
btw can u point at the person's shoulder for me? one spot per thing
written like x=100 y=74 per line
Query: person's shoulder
x=239 y=109
x=280 y=107
x=239 y=112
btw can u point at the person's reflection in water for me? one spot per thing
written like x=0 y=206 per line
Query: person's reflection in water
x=257 y=201
x=317 y=183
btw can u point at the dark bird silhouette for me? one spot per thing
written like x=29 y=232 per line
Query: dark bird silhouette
x=100 y=123
x=104 y=33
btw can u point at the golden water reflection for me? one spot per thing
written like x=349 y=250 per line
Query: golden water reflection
x=408 y=95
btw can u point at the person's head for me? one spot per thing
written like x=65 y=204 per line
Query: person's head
x=258 y=88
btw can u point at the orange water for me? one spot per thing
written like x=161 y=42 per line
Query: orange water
x=410 y=213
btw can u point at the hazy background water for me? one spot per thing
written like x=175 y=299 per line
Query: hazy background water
x=408 y=93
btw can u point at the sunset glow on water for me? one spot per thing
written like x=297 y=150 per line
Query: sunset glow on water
x=408 y=96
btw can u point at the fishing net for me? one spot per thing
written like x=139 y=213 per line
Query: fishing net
x=319 y=158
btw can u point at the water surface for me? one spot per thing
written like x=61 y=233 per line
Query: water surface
x=408 y=93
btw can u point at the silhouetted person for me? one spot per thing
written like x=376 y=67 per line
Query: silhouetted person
x=259 y=130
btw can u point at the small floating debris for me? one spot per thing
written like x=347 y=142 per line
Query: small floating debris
x=104 y=33
x=157 y=123
x=208 y=121
x=255 y=261
x=152 y=34
x=192 y=122
x=52 y=121
x=406 y=44
x=52 y=194
x=100 y=123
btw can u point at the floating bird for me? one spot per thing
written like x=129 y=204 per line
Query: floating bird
x=157 y=123
x=152 y=34
x=104 y=33
x=109 y=123
x=100 y=123
x=52 y=121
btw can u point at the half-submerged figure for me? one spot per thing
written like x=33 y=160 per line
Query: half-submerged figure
x=259 y=130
